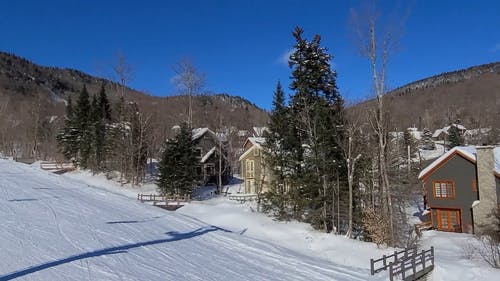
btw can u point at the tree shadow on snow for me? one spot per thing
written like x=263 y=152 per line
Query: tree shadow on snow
x=23 y=200
x=174 y=236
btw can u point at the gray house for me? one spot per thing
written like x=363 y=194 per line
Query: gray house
x=462 y=188
x=210 y=152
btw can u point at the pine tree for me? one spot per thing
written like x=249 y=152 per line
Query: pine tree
x=83 y=127
x=277 y=137
x=177 y=165
x=68 y=137
x=102 y=142
x=427 y=143
x=455 y=137
x=303 y=136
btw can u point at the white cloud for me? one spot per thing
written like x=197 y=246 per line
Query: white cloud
x=283 y=59
x=496 y=48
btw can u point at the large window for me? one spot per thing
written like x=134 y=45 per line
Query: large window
x=443 y=189
x=250 y=172
x=448 y=220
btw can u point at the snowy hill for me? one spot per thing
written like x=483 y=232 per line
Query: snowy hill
x=58 y=228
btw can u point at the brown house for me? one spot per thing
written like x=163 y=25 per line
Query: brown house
x=210 y=151
x=462 y=187
x=253 y=167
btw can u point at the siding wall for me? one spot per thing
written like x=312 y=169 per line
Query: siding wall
x=463 y=173
x=257 y=168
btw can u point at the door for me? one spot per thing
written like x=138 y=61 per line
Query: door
x=448 y=220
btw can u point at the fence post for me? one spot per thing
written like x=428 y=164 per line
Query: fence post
x=403 y=270
x=395 y=256
x=422 y=259
x=385 y=264
x=414 y=265
x=391 y=272
x=372 y=267
x=432 y=255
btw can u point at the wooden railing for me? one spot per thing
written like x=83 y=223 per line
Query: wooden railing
x=415 y=267
x=243 y=197
x=163 y=198
x=408 y=262
x=56 y=166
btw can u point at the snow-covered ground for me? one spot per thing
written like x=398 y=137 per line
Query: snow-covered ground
x=431 y=154
x=58 y=228
x=80 y=226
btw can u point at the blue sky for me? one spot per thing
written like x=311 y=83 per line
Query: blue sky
x=240 y=45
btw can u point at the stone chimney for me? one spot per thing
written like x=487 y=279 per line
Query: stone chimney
x=487 y=188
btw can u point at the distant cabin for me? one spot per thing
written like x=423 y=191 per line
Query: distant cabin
x=210 y=151
x=254 y=173
x=444 y=133
x=462 y=188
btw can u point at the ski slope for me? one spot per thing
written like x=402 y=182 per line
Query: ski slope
x=57 y=228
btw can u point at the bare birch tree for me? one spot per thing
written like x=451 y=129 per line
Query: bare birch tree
x=377 y=40
x=190 y=81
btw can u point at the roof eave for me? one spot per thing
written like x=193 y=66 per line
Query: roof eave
x=443 y=161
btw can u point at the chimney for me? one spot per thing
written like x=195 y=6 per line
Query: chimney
x=482 y=211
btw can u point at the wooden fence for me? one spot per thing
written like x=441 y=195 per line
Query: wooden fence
x=242 y=198
x=163 y=198
x=408 y=263
x=56 y=166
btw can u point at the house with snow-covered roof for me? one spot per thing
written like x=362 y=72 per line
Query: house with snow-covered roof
x=255 y=175
x=462 y=188
x=443 y=133
x=210 y=151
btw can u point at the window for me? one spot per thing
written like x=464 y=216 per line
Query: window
x=443 y=189
x=198 y=152
x=255 y=151
x=250 y=173
x=448 y=220
x=210 y=169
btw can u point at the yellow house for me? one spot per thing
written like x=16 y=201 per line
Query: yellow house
x=253 y=169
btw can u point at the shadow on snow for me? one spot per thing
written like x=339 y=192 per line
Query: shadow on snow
x=174 y=236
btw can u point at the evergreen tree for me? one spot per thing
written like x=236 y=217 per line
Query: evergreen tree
x=302 y=144
x=317 y=108
x=83 y=127
x=277 y=138
x=68 y=137
x=408 y=141
x=104 y=105
x=177 y=165
x=102 y=142
x=455 y=137
x=427 y=143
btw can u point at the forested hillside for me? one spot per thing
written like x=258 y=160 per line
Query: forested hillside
x=33 y=100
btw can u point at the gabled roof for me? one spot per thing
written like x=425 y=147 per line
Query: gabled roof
x=256 y=144
x=259 y=131
x=255 y=141
x=467 y=152
x=208 y=155
x=199 y=132
x=446 y=130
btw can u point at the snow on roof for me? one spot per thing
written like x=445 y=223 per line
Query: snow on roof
x=469 y=152
x=447 y=128
x=259 y=131
x=199 y=132
x=207 y=156
x=257 y=141
x=437 y=133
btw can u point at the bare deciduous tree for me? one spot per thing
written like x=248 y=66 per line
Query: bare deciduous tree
x=190 y=81
x=377 y=42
